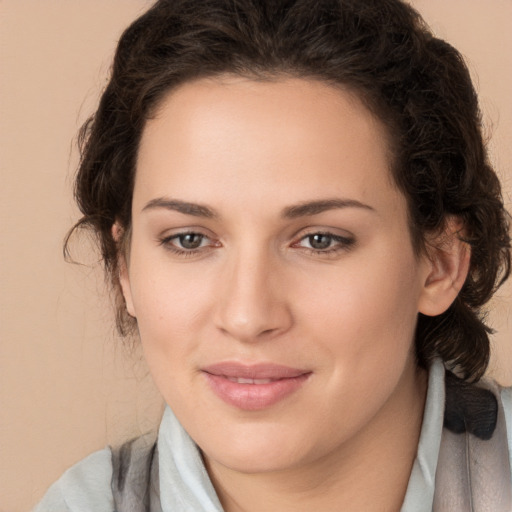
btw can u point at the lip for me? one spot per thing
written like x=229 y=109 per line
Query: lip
x=279 y=382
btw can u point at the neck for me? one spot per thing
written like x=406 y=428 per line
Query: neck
x=370 y=472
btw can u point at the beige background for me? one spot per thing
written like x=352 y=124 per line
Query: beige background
x=67 y=385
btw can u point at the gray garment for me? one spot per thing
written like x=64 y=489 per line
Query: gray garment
x=85 y=487
x=184 y=484
x=474 y=473
x=135 y=475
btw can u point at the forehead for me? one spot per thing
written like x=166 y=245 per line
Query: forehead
x=233 y=136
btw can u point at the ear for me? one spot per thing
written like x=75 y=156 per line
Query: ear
x=122 y=265
x=448 y=260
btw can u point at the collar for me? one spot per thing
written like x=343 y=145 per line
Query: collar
x=420 y=490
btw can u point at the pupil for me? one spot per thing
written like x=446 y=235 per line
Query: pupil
x=319 y=241
x=191 y=241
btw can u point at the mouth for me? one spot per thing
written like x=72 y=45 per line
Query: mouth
x=242 y=380
x=254 y=387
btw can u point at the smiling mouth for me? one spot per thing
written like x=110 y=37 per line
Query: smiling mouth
x=242 y=380
x=254 y=387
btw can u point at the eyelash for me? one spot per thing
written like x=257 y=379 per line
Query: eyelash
x=344 y=244
x=167 y=243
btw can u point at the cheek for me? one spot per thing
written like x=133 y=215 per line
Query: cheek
x=167 y=315
x=364 y=294
x=168 y=319
x=164 y=291
x=364 y=316
x=171 y=304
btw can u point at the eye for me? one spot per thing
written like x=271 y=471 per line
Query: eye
x=190 y=240
x=320 y=241
x=325 y=243
x=187 y=244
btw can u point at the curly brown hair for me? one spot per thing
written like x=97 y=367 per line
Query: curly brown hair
x=417 y=84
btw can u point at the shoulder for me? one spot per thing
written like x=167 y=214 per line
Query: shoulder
x=84 y=487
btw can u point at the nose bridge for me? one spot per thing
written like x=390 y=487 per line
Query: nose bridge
x=252 y=304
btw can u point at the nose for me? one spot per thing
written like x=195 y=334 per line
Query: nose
x=251 y=305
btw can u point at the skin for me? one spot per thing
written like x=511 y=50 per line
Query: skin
x=255 y=290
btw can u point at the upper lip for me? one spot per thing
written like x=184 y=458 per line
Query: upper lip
x=234 y=369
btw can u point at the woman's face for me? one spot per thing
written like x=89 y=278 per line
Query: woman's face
x=271 y=270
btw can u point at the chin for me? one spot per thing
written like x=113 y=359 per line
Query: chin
x=250 y=462
x=260 y=450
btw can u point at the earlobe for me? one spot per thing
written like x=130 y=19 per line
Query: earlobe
x=448 y=266
x=122 y=266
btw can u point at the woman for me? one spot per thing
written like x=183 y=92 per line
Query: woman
x=295 y=207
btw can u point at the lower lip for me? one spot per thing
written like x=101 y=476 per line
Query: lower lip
x=254 y=397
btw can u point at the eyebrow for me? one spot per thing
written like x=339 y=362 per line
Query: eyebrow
x=315 y=207
x=308 y=208
x=196 y=210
